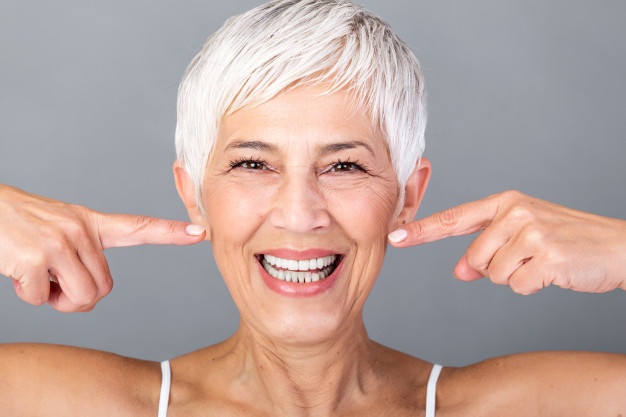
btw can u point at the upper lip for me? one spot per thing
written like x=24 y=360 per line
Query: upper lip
x=299 y=255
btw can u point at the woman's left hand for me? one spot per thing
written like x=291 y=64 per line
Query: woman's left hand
x=529 y=244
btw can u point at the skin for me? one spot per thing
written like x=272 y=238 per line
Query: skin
x=53 y=251
x=290 y=356
x=294 y=194
x=529 y=244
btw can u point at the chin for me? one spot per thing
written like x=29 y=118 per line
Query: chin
x=302 y=323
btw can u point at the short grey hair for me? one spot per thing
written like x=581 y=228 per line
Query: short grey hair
x=285 y=44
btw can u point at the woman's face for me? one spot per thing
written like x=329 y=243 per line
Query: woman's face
x=300 y=194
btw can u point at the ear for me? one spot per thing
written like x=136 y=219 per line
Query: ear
x=414 y=191
x=187 y=193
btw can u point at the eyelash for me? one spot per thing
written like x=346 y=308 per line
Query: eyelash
x=238 y=163
x=354 y=166
x=261 y=165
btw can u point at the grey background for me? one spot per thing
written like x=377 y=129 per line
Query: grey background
x=523 y=94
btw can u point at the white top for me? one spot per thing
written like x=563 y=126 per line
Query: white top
x=166 y=380
x=431 y=390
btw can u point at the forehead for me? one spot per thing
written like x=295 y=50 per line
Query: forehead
x=304 y=115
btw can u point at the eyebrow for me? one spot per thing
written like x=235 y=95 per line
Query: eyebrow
x=336 y=147
x=257 y=145
x=323 y=150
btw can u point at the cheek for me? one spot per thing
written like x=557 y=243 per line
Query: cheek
x=366 y=212
x=235 y=210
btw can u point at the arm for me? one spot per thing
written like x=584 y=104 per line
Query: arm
x=54 y=251
x=59 y=381
x=542 y=384
x=529 y=244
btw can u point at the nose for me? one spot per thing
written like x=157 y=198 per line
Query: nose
x=299 y=204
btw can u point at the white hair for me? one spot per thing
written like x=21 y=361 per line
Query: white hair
x=285 y=44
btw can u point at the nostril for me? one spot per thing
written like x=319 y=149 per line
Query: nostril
x=300 y=218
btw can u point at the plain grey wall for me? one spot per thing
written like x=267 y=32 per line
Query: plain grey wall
x=523 y=94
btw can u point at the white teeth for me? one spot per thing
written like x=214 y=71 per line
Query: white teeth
x=301 y=265
x=303 y=271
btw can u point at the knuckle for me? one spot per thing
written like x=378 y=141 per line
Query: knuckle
x=525 y=286
x=450 y=217
x=34 y=260
x=34 y=299
x=67 y=308
x=498 y=279
x=31 y=294
x=106 y=287
x=86 y=297
x=86 y=308
x=473 y=258
x=37 y=302
x=76 y=230
x=82 y=211
x=142 y=222
x=496 y=276
x=533 y=235
x=477 y=258
x=57 y=246
x=415 y=228
x=512 y=196
x=520 y=213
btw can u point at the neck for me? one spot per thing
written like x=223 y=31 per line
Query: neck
x=305 y=380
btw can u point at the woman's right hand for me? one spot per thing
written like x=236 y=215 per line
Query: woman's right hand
x=54 y=251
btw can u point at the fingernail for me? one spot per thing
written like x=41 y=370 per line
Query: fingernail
x=195 y=229
x=398 y=235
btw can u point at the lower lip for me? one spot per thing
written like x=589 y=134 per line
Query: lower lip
x=295 y=289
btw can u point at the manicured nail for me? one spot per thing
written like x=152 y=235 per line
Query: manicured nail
x=398 y=235
x=195 y=229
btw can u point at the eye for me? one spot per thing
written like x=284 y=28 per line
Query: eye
x=347 y=166
x=249 y=164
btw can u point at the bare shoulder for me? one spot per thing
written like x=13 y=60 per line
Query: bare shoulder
x=537 y=384
x=53 y=380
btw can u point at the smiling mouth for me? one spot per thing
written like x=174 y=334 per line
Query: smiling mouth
x=300 y=271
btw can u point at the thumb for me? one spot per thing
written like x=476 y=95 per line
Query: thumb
x=117 y=230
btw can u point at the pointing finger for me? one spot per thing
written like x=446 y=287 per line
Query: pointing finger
x=117 y=230
x=460 y=220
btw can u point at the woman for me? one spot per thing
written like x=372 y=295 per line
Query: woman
x=298 y=153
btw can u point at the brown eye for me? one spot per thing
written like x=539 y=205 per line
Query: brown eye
x=346 y=167
x=249 y=164
x=253 y=165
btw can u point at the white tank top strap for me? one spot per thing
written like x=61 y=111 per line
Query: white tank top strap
x=431 y=390
x=166 y=379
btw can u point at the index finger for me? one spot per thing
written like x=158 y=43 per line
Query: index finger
x=118 y=230
x=460 y=220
